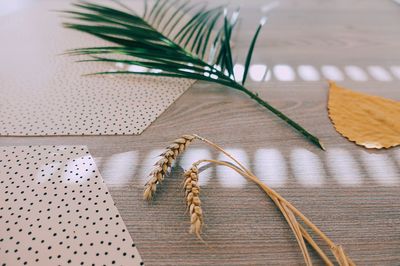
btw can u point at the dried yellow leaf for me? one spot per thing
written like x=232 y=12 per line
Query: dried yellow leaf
x=370 y=121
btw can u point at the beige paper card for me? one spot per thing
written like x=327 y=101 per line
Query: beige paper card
x=56 y=210
x=44 y=92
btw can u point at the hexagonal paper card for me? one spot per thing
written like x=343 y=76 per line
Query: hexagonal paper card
x=45 y=92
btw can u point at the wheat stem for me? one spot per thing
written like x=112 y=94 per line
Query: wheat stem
x=212 y=144
x=294 y=226
x=295 y=229
x=315 y=246
x=337 y=251
x=298 y=234
x=250 y=175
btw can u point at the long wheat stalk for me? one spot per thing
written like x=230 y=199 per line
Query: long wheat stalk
x=297 y=221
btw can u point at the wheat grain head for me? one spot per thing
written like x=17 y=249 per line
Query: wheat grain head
x=162 y=167
x=192 y=198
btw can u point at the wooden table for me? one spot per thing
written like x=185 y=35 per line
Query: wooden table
x=351 y=193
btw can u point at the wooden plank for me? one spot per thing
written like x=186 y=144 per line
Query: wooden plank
x=243 y=227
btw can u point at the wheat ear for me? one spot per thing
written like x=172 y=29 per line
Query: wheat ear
x=193 y=203
x=162 y=167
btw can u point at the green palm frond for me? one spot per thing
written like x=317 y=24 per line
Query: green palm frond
x=173 y=38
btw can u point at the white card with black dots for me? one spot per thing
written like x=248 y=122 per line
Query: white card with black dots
x=55 y=209
x=46 y=93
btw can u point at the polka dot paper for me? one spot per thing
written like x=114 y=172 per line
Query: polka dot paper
x=56 y=210
x=45 y=92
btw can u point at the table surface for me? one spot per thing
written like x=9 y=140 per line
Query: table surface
x=351 y=193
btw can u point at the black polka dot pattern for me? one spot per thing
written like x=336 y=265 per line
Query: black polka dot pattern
x=45 y=93
x=55 y=209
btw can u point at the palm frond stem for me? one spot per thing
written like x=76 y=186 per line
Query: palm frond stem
x=148 y=42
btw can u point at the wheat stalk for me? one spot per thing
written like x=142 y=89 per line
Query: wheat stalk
x=291 y=214
x=162 y=167
x=193 y=203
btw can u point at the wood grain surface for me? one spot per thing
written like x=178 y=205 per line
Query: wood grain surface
x=351 y=193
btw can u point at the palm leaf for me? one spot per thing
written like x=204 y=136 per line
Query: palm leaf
x=251 y=48
x=169 y=42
